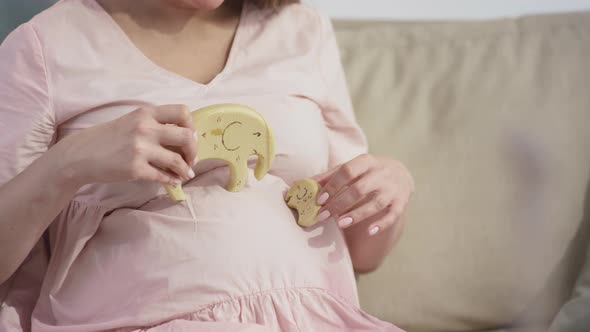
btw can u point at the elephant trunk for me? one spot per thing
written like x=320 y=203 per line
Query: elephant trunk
x=265 y=156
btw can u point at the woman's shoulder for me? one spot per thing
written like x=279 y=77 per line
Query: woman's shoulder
x=65 y=20
x=297 y=23
x=299 y=15
x=302 y=11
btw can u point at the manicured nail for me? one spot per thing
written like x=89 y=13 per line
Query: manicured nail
x=323 y=198
x=323 y=216
x=191 y=173
x=374 y=230
x=345 y=222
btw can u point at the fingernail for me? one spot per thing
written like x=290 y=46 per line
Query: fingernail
x=323 y=198
x=345 y=222
x=374 y=230
x=323 y=216
x=191 y=173
x=196 y=135
x=177 y=181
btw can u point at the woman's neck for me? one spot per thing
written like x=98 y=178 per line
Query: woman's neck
x=164 y=15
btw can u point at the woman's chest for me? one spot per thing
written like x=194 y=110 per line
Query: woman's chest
x=301 y=148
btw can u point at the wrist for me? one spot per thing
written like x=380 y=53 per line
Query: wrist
x=62 y=170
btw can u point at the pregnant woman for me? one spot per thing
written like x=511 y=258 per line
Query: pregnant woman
x=94 y=101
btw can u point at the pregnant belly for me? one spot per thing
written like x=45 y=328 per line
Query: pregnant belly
x=162 y=259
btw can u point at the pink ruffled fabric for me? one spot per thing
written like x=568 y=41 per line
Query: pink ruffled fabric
x=288 y=310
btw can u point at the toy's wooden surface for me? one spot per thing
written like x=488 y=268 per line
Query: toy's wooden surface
x=231 y=133
x=302 y=196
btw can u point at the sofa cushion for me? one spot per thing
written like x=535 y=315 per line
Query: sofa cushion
x=493 y=120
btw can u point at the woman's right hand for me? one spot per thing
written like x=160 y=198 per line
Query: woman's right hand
x=151 y=143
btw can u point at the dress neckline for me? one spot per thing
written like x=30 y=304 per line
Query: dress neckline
x=143 y=58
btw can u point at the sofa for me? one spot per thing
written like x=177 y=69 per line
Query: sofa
x=493 y=120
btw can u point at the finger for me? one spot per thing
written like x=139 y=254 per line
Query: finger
x=152 y=173
x=348 y=197
x=180 y=116
x=174 y=135
x=174 y=114
x=323 y=178
x=346 y=174
x=389 y=219
x=179 y=137
x=170 y=161
x=369 y=208
x=190 y=152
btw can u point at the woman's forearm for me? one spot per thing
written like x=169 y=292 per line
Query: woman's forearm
x=28 y=204
x=368 y=252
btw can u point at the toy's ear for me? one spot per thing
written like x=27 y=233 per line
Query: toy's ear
x=288 y=197
x=291 y=197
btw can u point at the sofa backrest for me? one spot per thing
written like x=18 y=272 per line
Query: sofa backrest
x=493 y=119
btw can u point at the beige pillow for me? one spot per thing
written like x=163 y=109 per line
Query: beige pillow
x=492 y=119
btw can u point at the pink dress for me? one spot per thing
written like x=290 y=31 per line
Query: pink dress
x=124 y=256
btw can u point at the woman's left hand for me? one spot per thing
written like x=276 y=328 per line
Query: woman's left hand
x=365 y=188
